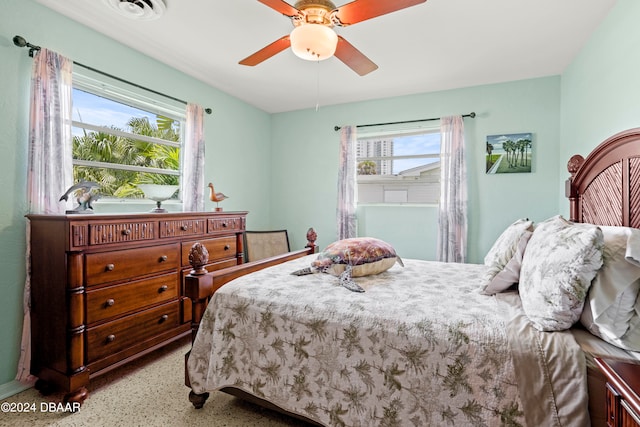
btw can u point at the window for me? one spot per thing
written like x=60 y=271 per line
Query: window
x=122 y=138
x=401 y=167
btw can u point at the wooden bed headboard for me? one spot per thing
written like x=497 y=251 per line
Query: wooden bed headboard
x=604 y=188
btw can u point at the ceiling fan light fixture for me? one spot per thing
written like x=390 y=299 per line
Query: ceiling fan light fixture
x=313 y=42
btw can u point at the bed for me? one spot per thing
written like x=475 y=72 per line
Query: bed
x=439 y=343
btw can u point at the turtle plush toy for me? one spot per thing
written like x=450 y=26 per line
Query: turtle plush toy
x=355 y=257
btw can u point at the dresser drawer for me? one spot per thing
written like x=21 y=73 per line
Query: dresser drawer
x=116 y=300
x=613 y=405
x=115 y=336
x=628 y=417
x=231 y=223
x=115 y=232
x=129 y=263
x=218 y=248
x=182 y=227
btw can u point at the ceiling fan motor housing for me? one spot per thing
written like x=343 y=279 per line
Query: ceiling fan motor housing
x=314 y=12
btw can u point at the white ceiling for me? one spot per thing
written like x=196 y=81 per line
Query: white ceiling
x=437 y=45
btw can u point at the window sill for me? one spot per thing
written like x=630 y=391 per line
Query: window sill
x=113 y=205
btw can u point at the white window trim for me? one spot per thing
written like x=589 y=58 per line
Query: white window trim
x=116 y=132
x=389 y=133
x=101 y=86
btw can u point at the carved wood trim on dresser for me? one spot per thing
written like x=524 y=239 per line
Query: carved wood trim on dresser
x=107 y=289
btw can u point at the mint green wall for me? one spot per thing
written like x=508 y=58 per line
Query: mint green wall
x=601 y=88
x=295 y=154
x=232 y=131
x=305 y=163
x=413 y=233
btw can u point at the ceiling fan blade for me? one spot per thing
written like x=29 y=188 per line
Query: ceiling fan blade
x=281 y=6
x=361 y=10
x=267 y=52
x=353 y=58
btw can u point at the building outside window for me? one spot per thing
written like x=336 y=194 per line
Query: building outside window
x=401 y=167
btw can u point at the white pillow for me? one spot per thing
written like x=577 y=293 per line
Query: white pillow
x=560 y=261
x=503 y=251
x=510 y=274
x=611 y=303
x=631 y=338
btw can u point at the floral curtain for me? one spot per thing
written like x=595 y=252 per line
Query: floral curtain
x=193 y=176
x=49 y=169
x=347 y=188
x=452 y=216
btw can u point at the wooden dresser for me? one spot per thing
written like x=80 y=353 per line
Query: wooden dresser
x=623 y=389
x=106 y=289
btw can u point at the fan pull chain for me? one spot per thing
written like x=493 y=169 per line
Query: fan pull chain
x=318 y=87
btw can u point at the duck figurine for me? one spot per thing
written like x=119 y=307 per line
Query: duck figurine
x=216 y=197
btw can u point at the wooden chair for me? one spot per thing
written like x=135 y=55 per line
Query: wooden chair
x=265 y=244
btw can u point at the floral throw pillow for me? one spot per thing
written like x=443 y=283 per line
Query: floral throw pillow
x=560 y=261
x=510 y=274
x=502 y=252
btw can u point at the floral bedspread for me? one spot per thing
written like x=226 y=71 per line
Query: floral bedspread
x=420 y=347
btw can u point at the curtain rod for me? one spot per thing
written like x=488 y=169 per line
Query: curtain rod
x=21 y=42
x=337 y=128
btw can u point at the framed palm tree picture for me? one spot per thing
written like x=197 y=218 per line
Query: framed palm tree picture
x=509 y=153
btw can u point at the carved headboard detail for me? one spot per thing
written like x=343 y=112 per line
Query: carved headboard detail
x=604 y=188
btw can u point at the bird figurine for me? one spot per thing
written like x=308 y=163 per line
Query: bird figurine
x=85 y=196
x=216 y=197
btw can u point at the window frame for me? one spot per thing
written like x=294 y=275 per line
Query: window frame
x=102 y=86
x=395 y=182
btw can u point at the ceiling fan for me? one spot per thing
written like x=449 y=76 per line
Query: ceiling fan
x=313 y=38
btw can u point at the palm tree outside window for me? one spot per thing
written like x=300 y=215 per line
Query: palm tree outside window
x=122 y=139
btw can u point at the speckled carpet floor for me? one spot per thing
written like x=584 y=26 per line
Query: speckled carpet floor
x=147 y=392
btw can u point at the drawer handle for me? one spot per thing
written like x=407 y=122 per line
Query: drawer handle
x=184 y=227
x=126 y=232
x=163 y=258
x=163 y=288
x=164 y=318
x=111 y=338
x=227 y=247
x=109 y=302
x=109 y=267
